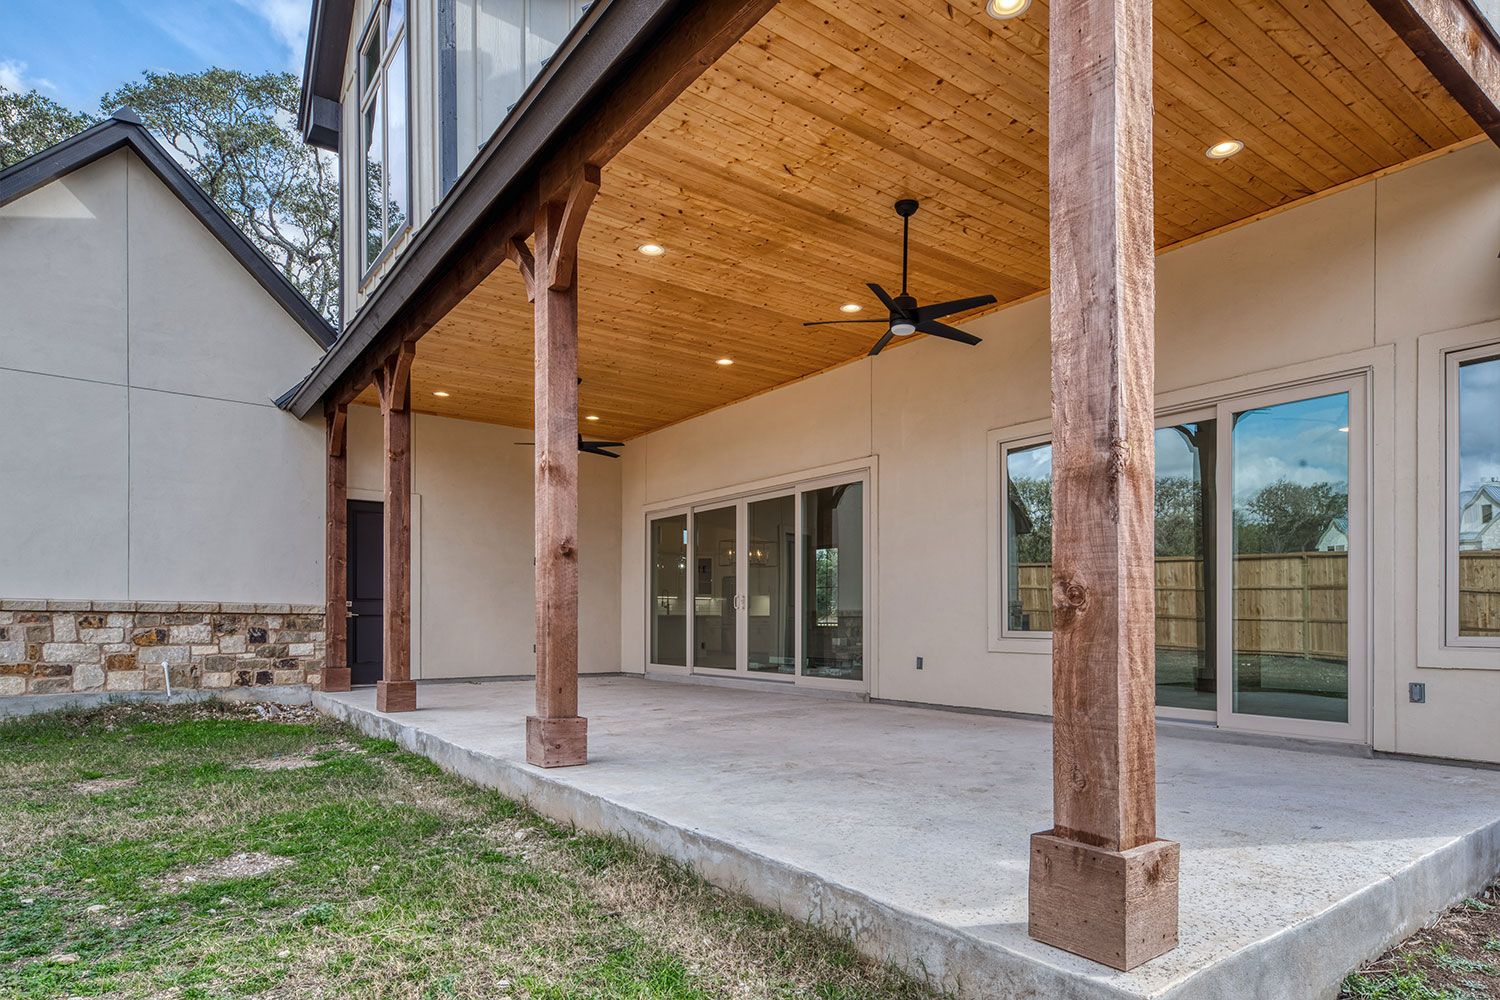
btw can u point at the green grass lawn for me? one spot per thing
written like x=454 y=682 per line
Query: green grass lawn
x=203 y=852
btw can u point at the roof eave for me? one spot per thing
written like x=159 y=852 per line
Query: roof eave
x=571 y=80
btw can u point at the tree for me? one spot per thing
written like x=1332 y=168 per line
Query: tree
x=1035 y=497
x=1287 y=517
x=31 y=122
x=236 y=134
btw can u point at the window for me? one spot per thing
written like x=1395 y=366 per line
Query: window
x=767 y=586
x=384 y=135
x=1185 y=675
x=1473 y=536
x=1259 y=558
x=668 y=555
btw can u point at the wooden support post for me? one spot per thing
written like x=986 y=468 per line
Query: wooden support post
x=1102 y=884
x=1458 y=48
x=556 y=736
x=336 y=556
x=397 y=692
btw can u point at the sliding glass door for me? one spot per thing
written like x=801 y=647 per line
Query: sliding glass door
x=1294 y=504
x=777 y=584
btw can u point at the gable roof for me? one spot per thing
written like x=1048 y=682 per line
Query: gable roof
x=124 y=130
x=1488 y=488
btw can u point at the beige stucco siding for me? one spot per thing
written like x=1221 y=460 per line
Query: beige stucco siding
x=143 y=456
x=474 y=581
x=1346 y=283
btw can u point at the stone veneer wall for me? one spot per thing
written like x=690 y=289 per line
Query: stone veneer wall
x=53 y=647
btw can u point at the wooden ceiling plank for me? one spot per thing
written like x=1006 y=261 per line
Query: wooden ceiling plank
x=1272 y=67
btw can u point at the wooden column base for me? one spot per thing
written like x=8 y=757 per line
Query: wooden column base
x=337 y=679
x=1118 y=908
x=395 y=696
x=557 y=742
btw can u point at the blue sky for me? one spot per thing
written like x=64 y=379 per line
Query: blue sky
x=75 y=50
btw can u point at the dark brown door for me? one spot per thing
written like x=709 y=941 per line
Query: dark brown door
x=366 y=590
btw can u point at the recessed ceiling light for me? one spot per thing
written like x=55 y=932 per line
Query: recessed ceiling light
x=1223 y=150
x=443 y=394
x=1004 y=10
x=652 y=249
x=850 y=307
x=591 y=417
x=726 y=362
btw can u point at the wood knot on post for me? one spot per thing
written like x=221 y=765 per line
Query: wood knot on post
x=1069 y=599
x=567 y=549
x=1077 y=778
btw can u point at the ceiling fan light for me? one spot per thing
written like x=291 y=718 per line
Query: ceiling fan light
x=901 y=328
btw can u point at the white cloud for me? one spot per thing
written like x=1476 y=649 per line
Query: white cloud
x=288 y=22
x=13 y=76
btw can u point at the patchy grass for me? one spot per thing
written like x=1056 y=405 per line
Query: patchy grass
x=1457 y=958
x=207 y=852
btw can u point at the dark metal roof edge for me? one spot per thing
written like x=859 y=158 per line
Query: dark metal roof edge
x=608 y=33
x=328 y=30
x=125 y=129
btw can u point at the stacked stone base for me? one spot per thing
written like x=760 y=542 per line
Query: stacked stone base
x=57 y=647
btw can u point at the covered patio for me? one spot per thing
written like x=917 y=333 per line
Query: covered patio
x=907 y=827
x=678 y=193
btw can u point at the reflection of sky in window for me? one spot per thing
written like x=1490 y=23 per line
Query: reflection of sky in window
x=1300 y=442
x=1478 y=422
x=1174 y=457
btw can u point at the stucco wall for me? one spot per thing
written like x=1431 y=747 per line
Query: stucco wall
x=1346 y=282
x=142 y=456
x=473 y=583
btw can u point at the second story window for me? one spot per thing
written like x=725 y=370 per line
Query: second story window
x=384 y=136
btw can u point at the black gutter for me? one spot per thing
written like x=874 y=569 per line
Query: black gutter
x=125 y=130
x=574 y=80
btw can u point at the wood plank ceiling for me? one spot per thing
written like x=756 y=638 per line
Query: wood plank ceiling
x=770 y=184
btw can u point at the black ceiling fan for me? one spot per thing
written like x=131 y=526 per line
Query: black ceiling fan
x=588 y=447
x=906 y=317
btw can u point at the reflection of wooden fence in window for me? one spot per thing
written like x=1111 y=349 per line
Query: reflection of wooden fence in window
x=1479 y=593
x=1292 y=603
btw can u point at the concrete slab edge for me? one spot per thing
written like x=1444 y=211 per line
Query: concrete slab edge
x=958 y=961
x=38 y=704
x=1309 y=960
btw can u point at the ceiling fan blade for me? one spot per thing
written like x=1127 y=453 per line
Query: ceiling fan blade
x=602 y=444
x=935 y=329
x=884 y=298
x=597 y=448
x=880 y=344
x=941 y=309
x=836 y=322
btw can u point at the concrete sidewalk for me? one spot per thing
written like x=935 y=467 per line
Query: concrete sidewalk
x=908 y=828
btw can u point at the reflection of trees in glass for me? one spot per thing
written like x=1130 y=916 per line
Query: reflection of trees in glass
x=1287 y=517
x=395 y=215
x=1035 y=497
x=826 y=585
x=1280 y=517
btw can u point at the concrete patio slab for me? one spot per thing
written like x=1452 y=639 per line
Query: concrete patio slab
x=907 y=828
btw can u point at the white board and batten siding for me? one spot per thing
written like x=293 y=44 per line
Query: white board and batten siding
x=502 y=46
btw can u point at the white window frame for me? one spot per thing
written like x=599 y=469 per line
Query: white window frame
x=862 y=471
x=1452 y=361
x=376 y=27
x=1204 y=403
